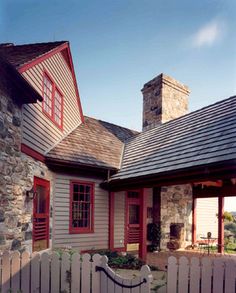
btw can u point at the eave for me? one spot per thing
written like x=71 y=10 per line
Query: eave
x=15 y=86
x=76 y=167
x=222 y=170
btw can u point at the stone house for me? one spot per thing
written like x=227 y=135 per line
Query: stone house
x=72 y=180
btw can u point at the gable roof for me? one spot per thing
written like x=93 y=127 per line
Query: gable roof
x=206 y=136
x=19 y=55
x=23 y=57
x=15 y=86
x=94 y=143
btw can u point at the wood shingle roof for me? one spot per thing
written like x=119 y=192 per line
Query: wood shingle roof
x=19 y=55
x=203 y=137
x=94 y=143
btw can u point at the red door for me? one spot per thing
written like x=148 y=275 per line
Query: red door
x=133 y=217
x=41 y=214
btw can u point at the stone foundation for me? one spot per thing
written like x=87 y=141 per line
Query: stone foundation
x=176 y=207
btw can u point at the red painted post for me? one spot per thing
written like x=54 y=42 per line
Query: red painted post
x=194 y=220
x=111 y=220
x=143 y=225
x=220 y=224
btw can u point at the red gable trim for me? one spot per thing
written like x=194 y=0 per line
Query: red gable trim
x=47 y=55
x=32 y=153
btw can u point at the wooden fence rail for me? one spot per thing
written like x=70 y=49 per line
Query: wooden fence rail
x=217 y=275
x=51 y=273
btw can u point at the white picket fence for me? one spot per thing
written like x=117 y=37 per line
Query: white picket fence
x=47 y=272
x=217 y=275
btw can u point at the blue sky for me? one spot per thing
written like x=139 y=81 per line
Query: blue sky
x=117 y=46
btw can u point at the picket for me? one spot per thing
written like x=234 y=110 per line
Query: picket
x=45 y=273
x=206 y=275
x=25 y=272
x=55 y=273
x=183 y=274
x=146 y=274
x=15 y=272
x=194 y=275
x=75 y=273
x=65 y=272
x=6 y=272
x=85 y=275
x=104 y=261
x=172 y=275
x=218 y=275
x=49 y=272
x=230 y=276
x=35 y=273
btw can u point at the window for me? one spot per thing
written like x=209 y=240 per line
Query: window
x=52 y=101
x=81 y=207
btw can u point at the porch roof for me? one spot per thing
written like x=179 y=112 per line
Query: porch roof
x=205 y=137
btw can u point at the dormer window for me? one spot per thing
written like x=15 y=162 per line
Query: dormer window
x=52 y=101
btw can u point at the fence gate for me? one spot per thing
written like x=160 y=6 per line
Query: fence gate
x=51 y=272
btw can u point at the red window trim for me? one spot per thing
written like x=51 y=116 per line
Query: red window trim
x=54 y=89
x=82 y=230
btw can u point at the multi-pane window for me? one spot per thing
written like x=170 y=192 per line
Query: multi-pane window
x=81 y=209
x=52 y=101
x=47 y=95
x=58 y=107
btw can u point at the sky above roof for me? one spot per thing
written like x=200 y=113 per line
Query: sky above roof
x=117 y=46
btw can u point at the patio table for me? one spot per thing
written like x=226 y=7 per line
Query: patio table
x=209 y=240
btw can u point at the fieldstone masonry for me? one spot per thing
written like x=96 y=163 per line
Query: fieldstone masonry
x=164 y=99
x=176 y=207
x=17 y=172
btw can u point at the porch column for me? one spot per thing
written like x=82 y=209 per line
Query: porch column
x=194 y=220
x=111 y=220
x=220 y=224
x=143 y=225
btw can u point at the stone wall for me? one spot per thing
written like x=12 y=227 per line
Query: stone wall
x=176 y=208
x=17 y=173
x=164 y=99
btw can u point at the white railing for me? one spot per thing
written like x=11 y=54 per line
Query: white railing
x=207 y=275
x=47 y=272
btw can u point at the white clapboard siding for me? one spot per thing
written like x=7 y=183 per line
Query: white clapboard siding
x=206 y=210
x=39 y=132
x=61 y=235
x=215 y=275
x=49 y=272
x=119 y=219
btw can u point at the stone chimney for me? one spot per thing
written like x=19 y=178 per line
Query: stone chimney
x=164 y=99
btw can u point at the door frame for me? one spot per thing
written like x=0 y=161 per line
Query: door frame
x=46 y=184
x=129 y=201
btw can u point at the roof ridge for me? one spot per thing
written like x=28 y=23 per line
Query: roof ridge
x=112 y=124
x=41 y=43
